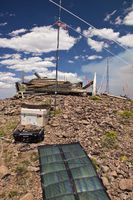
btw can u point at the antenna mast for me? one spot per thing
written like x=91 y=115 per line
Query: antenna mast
x=57 y=54
x=107 y=77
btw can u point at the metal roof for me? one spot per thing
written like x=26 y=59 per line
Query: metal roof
x=67 y=173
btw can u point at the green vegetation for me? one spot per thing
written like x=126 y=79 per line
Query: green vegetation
x=123 y=158
x=2 y=133
x=8 y=127
x=56 y=112
x=95 y=163
x=34 y=157
x=13 y=193
x=109 y=139
x=21 y=169
x=126 y=114
x=95 y=98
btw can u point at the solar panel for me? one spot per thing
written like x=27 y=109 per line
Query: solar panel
x=67 y=173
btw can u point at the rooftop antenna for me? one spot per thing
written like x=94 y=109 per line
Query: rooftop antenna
x=107 y=77
x=57 y=54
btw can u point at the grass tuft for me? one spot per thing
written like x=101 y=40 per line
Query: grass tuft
x=126 y=114
x=109 y=139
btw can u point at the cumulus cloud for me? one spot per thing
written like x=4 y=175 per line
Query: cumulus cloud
x=109 y=15
x=128 y=20
x=7 y=79
x=96 y=45
x=38 y=40
x=120 y=74
x=17 y=32
x=28 y=64
x=106 y=33
x=126 y=40
x=66 y=76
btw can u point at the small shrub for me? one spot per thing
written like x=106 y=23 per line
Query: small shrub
x=2 y=133
x=34 y=157
x=13 y=194
x=95 y=163
x=95 y=98
x=123 y=158
x=110 y=139
x=21 y=169
x=55 y=112
x=126 y=114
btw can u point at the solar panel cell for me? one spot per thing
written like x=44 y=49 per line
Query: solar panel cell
x=68 y=174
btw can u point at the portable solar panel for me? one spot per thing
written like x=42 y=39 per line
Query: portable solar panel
x=67 y=173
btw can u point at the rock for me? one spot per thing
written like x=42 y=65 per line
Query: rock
x=28 y=196
x=33 y=169
x=3 y=171
x=105 y=181
x=105 y=169
x=85 y=122
x=126 y=184
x=65 y=116
x=114 y=174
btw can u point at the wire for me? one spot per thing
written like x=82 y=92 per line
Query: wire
x=103 y=47
x=61 y=7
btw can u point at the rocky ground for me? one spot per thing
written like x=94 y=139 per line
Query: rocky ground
x=104 y=127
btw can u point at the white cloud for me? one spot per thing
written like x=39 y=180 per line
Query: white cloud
x=40 y=39
x=3 y=24
x=28 y=64
x=70 y=61
x=106 y=33
x=66 y=76
x=78 y=29
x=93 y=57
x=17 y=32
x=7 y=79
x=76 y=57
x=108 y=16
x=96 y=45
x=128 y=20
x=120 y=73
x=126 y=40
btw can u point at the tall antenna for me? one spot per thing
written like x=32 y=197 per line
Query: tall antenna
x=107 y=77
x=57 y=55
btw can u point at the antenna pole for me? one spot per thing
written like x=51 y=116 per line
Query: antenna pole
x=107 y=77
x=57 y=55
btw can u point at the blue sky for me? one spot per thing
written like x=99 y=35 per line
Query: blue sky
x=28 y=42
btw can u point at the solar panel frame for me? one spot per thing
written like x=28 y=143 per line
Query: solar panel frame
x=76 y=195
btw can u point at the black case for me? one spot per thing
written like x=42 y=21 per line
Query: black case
x=28 y=136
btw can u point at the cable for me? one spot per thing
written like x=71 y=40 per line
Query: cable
x=61 y=7
x=103 y=47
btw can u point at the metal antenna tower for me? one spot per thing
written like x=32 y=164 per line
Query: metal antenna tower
x=57 y=55
x=107 y=77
